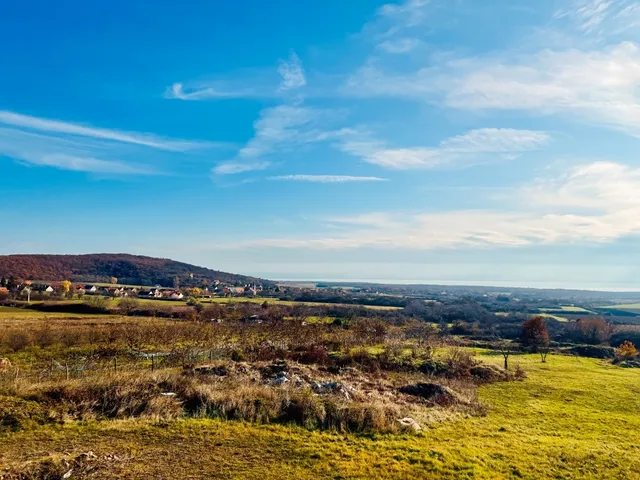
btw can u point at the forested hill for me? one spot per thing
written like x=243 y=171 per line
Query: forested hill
x=128 y=269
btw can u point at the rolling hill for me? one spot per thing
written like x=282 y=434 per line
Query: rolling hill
x=128 y=269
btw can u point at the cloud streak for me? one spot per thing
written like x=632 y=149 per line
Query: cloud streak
x=327 y=178
x=593 y=203
x=74 y=154
x=458 y=151
x=60 y=127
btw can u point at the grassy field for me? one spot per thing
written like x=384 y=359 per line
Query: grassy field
x=571 y=418
x=568 y=309
x=631 y=307
x=11 y=314
x=226 y=300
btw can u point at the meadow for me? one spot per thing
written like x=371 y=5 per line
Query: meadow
x=571 y=418
x=568 y=418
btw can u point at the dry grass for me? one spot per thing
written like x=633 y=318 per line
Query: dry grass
x=167 y=395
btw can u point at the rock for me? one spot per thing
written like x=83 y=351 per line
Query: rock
x=280 y=380
x=86 y=455
x=438 y=394
x=68 y=474
x=5 y=364
x=409 y=423
x=168 y=394
x=275 y=369
x=323 y=388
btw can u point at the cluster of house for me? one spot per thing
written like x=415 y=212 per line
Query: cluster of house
x=29 y=288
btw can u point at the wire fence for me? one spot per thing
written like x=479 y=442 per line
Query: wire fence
x=58 y=369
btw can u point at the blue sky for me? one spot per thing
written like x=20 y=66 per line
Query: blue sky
x=451 y=141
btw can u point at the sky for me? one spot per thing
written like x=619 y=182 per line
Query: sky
x=421 y=141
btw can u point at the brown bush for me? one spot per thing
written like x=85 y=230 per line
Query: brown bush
x=626 y=351
x=17 y=340
x=141 y=395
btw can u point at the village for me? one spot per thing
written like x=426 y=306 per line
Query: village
x=37 y=290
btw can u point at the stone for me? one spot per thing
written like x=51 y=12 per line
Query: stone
x=323 y=388
x=409 y=423
x=280 y=380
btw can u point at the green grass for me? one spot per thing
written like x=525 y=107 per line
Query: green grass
x=568 y=309
x=554 y=317
x=631 y=307
x=22 y=313
x=572 y=418
x=260 y=300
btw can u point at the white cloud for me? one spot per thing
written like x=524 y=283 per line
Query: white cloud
x=281 y=128
x=292 y=73
x=400 y=16
x=60 y=127
x=327 y=178
x=69 y=153
x=204 y=91
x=401 y=45
x=601 y=87
x=602 y=18
x=455 y=151
x=248 y=84
x=594 y=203
x=232 y=168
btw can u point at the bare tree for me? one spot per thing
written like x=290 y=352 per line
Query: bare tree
x=506 y=349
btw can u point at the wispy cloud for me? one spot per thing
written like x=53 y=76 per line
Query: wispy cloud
x=258 y=84
x=281 y=128
x=593 y=203
x=232 y=168
x=455 y=151
x=395 y=17
x=75 y=154
x=327 y=178
x=205 y=91
x=600 y=87
x=292 y=73
x=60 y=127
x=401 y=45
x=602 y=18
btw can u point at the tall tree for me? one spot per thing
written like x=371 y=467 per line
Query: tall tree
x=536 y=335
x=65 y=287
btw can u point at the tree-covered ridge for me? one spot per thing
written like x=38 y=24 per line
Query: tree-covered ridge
x=128 y=269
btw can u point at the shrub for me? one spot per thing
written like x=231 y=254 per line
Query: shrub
x=127 y=306
x=96 y=302
x=626 y=351
x=592 y=331
x=237 y=356
x=17 y=340
x=593 y=351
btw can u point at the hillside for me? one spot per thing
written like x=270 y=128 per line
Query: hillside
x=128 y=269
